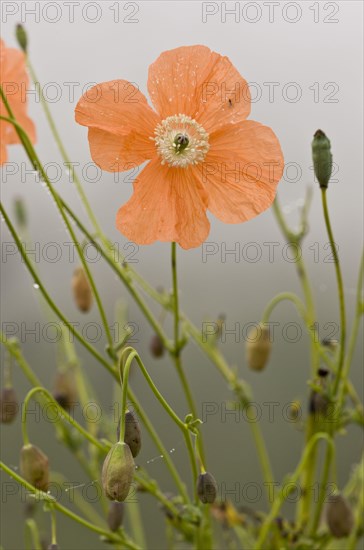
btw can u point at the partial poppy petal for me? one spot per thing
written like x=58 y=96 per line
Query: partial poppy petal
x=114 y=153
x=15 y=82
x=168 y=204
x=194 y=81
x=121 y=124
x=241 y=171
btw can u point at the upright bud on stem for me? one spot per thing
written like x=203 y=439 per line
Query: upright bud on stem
x=322 y=158
x=156 y=346
x=258 y=347
x=81 y=290
x=117 y=472
x=34 y=466
x=206 y=488
x=22 y=37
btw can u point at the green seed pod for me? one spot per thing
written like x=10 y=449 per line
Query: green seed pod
x=21 y=37
x=8 y=405
x=206 y=488
x=20 y=213
x=34 y=466
x=322 y=158
x=82 y=292
x=115 y=516
x=133 y=435
x=65 y=389
x=339 y=516
x=156 y=346
x=117 y=472
x=258 y=347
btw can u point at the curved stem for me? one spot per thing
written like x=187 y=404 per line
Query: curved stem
x=64 y=414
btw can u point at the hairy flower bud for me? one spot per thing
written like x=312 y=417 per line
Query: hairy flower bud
x=8 y=405
x=21 y=37
x=81 y=290
x=65 y=389
x=339 y=516
x=156 y=346
x=258 y=347
x=117 y=472
x=133 y=435
x=206 y=488
x=34 y=466
x=322 y=158
x=115 y=516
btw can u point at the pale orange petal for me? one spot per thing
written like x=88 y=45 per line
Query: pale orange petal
x=202 y=84
x=114 y=153
x=15 y=82
x=168 y=204
x=121 y=124
x=241 y=171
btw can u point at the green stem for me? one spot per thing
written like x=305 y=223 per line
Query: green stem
x=63 y=152
x=340 y=288
x=47 y=498
x=54 y=525
x=62 y=412
x=283 y=493
x=177 y=348
x=33 y=528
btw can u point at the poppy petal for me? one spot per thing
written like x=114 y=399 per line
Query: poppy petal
x=199 y=83
x=241 y=171
x=168 y=204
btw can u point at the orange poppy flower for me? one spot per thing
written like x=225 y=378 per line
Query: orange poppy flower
x=203 y=154
x=14 y=81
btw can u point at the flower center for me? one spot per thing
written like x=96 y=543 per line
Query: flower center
x=181 y=141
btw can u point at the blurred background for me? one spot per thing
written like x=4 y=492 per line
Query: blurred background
x=304 y=63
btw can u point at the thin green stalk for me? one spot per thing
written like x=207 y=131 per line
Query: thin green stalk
x=62 y=414
x=283 y=493
x=177 y=347
x=340 y=288
x=33 y=157
x=33 y=529
x=48 y=498
x=63 y=152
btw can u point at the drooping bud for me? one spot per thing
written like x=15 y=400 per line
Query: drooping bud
x=117 y=472
x=115 y=516
x=81 y=290
x=65 y=389
x=156 y=346
x=322 y=158
x=133 y=435
x=20 y=213
x=206 y=488
x=8 y=405
x=21 y=37
x=258 y=347
x=339 y=516
x=34 y=466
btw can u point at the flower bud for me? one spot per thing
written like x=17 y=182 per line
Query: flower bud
x=117 y=472
x=156 y=346
x=258 y=347
x=82 y=292
x=115 y=516
x=322 y=158
x=21 y=37
x=206 y=488
x=133 y=435
x=20 y=213
x=34 y=466
x=8 y=405
x=64 y=389
x=339 y=516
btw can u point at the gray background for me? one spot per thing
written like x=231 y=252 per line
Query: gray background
x=322 y=55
